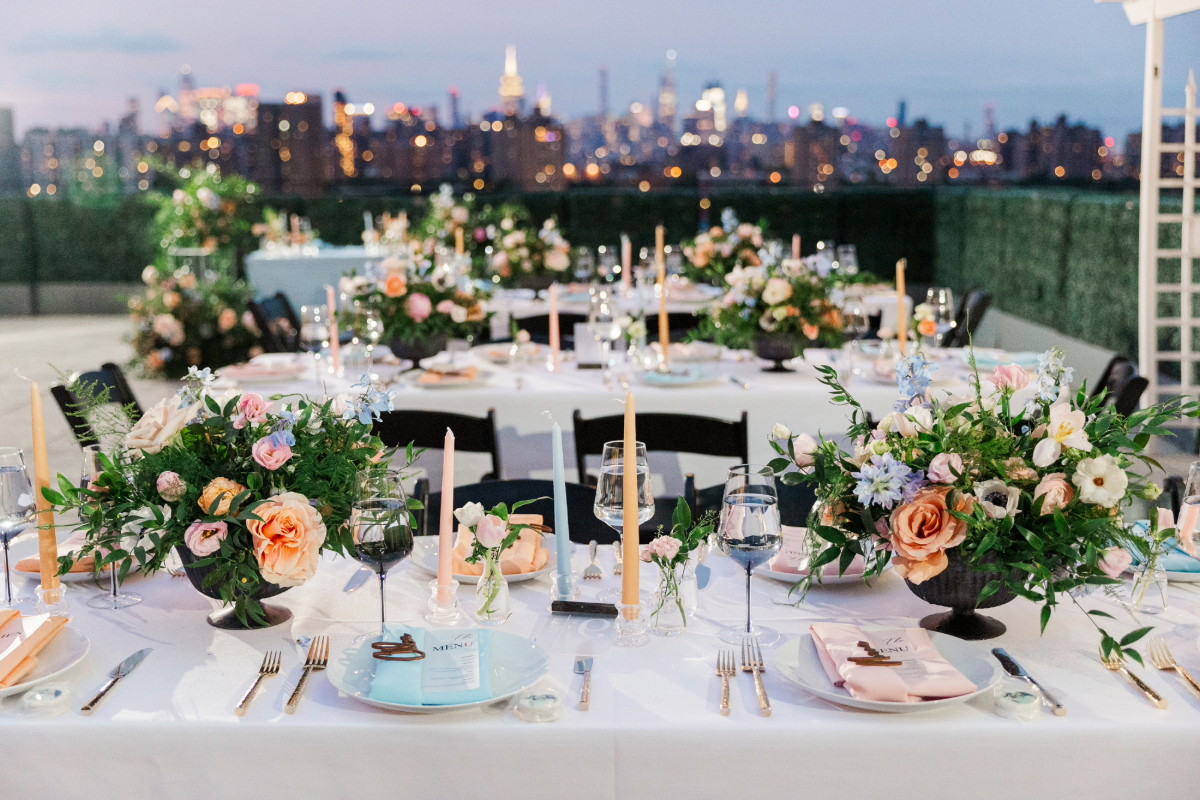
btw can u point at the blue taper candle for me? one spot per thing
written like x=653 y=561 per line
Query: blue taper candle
x=562 y=531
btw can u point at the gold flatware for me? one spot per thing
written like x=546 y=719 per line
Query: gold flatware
x=1161 y=658
x=1115 y=665
x=619 y=558
x=583 y=666
x=318 y=659
x=592 y=570
x=725 y=669
x=269 y=669
x=752 y=662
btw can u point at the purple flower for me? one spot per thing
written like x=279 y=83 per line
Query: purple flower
x=916 y=482
x=882 y=481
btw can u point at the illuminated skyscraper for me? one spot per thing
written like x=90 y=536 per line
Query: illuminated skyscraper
x=10 y=161
x=512 y=90
x=289 y=156
x=343 y=135
x=666 y=96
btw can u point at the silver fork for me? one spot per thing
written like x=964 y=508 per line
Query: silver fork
x=269 y=669
x=592 y=570
x=318 y=659
x=752 y=662
x=618 y=556
x=1161 y=658
x=725 y=669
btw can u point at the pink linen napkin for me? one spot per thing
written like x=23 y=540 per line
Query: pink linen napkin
x=793 y=556
x=924 y=674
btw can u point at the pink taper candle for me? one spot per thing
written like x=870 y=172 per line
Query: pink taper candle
x=554 y=335
x=446 y=528
x=626 y=264
x=335 y=353
x=795 y=247
x=901 y=315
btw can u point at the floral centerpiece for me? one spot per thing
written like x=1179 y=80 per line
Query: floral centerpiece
x=446 y=214
x=492 y=533
x=519 y=255
x=670 y=553
x=715 y=253
x=1018 y=498
x=247 y=493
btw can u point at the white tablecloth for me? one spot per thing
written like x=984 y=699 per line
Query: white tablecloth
x=168 y=731
x=303 y=277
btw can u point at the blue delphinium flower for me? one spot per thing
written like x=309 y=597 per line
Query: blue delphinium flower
x=1051 y=374
x=913 y=376
x=881 y=481
x=370 y=405
x=729 y=221
x=280 y=438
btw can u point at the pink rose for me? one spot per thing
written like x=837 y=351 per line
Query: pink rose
x=271 y=452
x=287 y=542
x=204 y=538
x=418 y=306
x=445 y=307
x=1056 y=491
x=251 y=409
x=803 y=448
x=491 y=531
x=943 y=467
x=1115 y=561
x=170 y=486
x=1011 y=378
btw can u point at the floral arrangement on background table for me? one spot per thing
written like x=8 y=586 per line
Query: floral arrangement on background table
x=517 y=254
x=420 y=309
x=492 y=532
x=204 y=209
x=670 y=553
x=248 y=494
x=715 y=253
x=446 y=213
x=786 y=302
x=955 y=491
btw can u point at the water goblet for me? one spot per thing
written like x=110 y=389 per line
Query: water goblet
x=16 y=509
x=609 y=506
x=941 y=300
x=750 y=533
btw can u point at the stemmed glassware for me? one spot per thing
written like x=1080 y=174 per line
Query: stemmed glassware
x=610 y=494
x=847 y=259
x=855 y=326
x=603 y=325
x=750 y=534
x=379 y=525
x=92 y=469
x=16 y=508
x=941 y=300
x=314 y=328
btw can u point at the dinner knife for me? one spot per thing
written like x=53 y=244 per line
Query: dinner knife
x=1016 y=670
x=357 y=579
x=583 y=666
x=120 y=671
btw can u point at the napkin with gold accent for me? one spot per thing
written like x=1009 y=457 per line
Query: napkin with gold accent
x=456 y=668
x=897 y=665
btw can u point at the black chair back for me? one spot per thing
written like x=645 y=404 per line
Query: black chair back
x=679 y=325
x=580 y=504
x=278 y=322
x=428 y=429
x=109 y=377
x=974 y=305
x=795 y=503
x=669 y=433
x=1123 y=385
x=538 y=328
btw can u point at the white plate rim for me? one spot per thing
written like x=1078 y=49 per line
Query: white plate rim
x=482 y=379
x=432 y=550
x=335 y=675
x=1183 y=577
x=78 y=638
x=791 y=649
x=832 y=580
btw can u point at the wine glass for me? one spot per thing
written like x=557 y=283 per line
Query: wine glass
x=16 y=508
x=604 y=327
x=610 y=494
x=584 y=265
x=380 y=526
x=92 y=469
x=847 y=258
x=750 y=534
x=314 y=327
x=370 y=331
x=941 y=300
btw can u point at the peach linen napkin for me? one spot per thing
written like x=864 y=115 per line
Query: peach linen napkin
x=70 y=545
x=924 y=674
x=21 y=639
x=525 y=555
x=793 y=556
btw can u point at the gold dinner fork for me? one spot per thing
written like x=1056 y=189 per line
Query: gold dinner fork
x=1115 y=665
x=592 y=570
x=318 y=659
x=1161 y=658
x=725 y=669
x=269 y=669
x=752 y=662
x=618 y=558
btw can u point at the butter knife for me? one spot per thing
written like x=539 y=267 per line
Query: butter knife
x=1016 y=670
x=120 y=671
x=583 y=666
x=357 y=579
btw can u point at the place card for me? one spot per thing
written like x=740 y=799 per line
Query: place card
x=451 y=663
x=795 y=547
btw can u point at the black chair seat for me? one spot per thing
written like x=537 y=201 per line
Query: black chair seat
x=278 y=322
x=109 y=377
x=970 y=314
x=428 y=429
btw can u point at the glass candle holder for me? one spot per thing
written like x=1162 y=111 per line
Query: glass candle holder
x=52 y=601
x=564 y=587
x=631 y=623
x=444 y=608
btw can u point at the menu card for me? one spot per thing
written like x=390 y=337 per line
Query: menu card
x=452 y=663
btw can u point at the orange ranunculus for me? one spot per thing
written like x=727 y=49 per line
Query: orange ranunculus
x=922 y=530
x=394 y=285
x=216 y=488
x=810 y=330
x=476 y=313
x=287 y=542
x=927 y=327
x=834 y=317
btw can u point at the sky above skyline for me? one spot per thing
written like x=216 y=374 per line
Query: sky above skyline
x=70 y=62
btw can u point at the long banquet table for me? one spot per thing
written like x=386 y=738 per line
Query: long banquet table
x=168 y=730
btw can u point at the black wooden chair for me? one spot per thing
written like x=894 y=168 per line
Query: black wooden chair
x=538 y=328
x=109 y=377
x=428 y=429
x=278 y=322
x=668 y=433
x=974 y=305
x=679 y=325
x=580 y=505
x=795 y=503
x=1123 y=384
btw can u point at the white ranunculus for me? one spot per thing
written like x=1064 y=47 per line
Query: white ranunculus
x=781 y=431
x=777 y=291
x=557 y=260
x=160 y=425
x=998 y=499
x=149 y=276
x=921 y=417
x=1101 y=481
x=470 y=514
x=803 y=449
x=458 y=314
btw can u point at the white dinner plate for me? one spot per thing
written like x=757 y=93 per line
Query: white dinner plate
x=481 y=379
x=515 y=663
x=682 y=376
x=64 y=651
x=829 y=580
x=425 y=556
x=1183 y=577
x=798 y=661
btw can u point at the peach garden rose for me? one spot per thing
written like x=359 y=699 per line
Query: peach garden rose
x=216 y=488
x=287 y=542
x=922 y=530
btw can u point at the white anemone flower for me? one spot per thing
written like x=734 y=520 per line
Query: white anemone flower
x=1101 y=481
x=998 y=499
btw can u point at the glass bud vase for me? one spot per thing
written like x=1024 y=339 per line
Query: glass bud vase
x=491 y=593
x=669 y=605
x=1148 y=594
